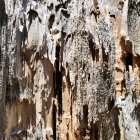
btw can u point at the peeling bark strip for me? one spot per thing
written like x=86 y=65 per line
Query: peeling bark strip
x=69 y=69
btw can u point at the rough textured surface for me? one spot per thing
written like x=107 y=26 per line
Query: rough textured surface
x=69 y=69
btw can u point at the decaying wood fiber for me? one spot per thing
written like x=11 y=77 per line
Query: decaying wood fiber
x=69 y=69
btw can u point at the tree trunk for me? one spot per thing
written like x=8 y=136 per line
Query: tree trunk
x=69 y=70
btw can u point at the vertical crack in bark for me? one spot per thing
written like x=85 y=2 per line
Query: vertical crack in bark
x=58 y=79
x=54 y=121
x=129 y=61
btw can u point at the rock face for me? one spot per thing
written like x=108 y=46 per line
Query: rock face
x=69 y=70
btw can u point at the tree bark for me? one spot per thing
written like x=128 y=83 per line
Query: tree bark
x=69 y=69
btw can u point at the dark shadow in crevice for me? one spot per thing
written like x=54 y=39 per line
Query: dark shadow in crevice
x=84 y=122
x=51 y=21
x=50 y=7
x=65 y=13
x=58 y=80
x=111 y=103
x=32 y=16
x=54 y=121
x=94 y=131
x=93 y=50
x=3 y=15
x=63 y=5
x=16 y=91
x=105 y=56
x=129 y=61
x=115 y=114
x=85 y=115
